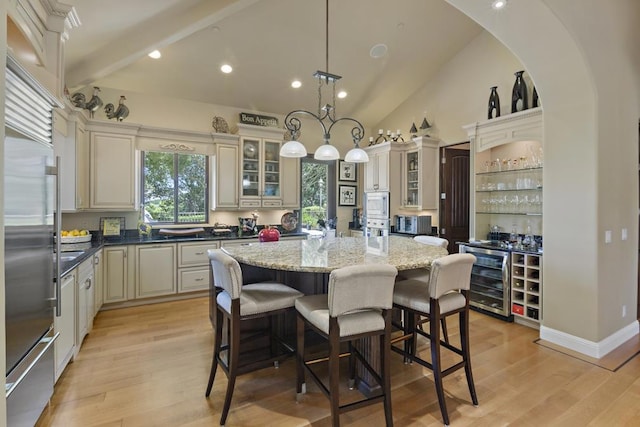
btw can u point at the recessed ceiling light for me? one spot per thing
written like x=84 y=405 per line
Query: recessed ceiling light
x=296 y=84
x=342 y=94
x=226 y=68
x=378 y=51
x=498 y=4
x=155 y=54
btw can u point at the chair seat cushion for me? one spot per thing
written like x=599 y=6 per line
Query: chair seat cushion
x=261 y=298
x=315 y=309
x=414 y=294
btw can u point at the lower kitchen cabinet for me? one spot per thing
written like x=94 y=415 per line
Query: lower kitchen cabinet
x=193 y=266
x=65 y=324
x=97 y=280
x=526 y=286
x=84 y=302
x=155 y=270
x=116 y=274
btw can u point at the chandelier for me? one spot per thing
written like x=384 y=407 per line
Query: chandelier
x=326 y=117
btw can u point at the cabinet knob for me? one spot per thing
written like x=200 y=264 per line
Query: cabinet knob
x=199 y=253
x=199 y=279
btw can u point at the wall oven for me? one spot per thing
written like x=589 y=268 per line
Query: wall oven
x=376 y=210
x=490 y=283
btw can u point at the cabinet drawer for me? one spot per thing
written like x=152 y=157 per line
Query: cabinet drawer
x=271 y=203
x=249 y=203
x=193 y=279
x=192 y=254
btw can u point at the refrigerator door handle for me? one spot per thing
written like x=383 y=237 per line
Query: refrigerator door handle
x=57 y=228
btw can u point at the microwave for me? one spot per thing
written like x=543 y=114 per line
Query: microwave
x=413 y=224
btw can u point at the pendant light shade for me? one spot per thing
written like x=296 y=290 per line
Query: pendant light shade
x=326 y=152
x=293 y=149
x=356 y=155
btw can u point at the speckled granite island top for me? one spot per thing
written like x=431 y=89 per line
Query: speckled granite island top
x=325 y=255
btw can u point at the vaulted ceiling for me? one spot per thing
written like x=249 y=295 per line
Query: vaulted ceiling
x=269 y=43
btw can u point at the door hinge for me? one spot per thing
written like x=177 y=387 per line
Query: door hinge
x=443 y=160
x=443 y=196
x=443 y=231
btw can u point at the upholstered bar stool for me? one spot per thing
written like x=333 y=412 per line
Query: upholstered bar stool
x=358 y=305
x=445 y=294
x=238 y=303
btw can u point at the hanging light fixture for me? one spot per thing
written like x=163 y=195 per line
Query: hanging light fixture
x=326 y=116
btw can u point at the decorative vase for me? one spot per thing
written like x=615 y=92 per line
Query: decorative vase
x=144 y=228
x=519 y=93
x=494 y=103
x=534 y=101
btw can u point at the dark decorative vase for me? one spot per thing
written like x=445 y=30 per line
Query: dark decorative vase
x=534 y=101
x=519 y=94
x=494 y=103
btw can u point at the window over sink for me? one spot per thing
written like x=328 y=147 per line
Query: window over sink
x=175 y=187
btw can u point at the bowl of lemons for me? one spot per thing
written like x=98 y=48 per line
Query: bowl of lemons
x=75 y=236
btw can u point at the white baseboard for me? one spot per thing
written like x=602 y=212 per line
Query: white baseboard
x=590 y=348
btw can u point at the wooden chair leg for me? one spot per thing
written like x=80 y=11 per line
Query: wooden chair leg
x=234 y=356
x=299 y=356
x=445 y=334
x=334 y=371
x=466 y=354
x=434 y=330
x=217 y=344
x=385 y=368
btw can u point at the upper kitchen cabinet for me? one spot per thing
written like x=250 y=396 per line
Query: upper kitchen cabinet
x=225 y=178
x=508 y=162
x=113 y=181
x=262 y=170
x=420 y=174
x=71 y=143
x=381 y=171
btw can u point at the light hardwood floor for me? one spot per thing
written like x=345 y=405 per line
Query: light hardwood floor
x=148 y=366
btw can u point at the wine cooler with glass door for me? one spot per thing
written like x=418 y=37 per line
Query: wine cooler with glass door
x=490 y=284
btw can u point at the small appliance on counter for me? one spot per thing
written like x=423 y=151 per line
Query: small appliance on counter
x=413 y=224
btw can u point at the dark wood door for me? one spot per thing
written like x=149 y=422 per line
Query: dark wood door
x=454 y=190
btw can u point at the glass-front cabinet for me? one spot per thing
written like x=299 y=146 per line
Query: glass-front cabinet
x=420 y=177
x=260 y=168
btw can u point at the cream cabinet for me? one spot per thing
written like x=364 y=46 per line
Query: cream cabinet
x=70 y=142
x=193 y=266
x=84 y=301
x=225 y=178
x=113 y=180
x=65 y=324
x=98 y=282
x=116 y=273
x=290 y=182
x=420 y=174
x=381 y=171
x=261 y=168
x=155 y=270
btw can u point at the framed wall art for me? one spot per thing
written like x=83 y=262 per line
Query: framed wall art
x=347 y=171
x=347 y=195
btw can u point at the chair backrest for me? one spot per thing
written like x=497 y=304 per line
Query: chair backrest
x=360 y=287
x=432 y=240
x=449 y=273
x=226 y=272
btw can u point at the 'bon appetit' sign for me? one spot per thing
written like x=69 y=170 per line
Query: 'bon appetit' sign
x=259 y=120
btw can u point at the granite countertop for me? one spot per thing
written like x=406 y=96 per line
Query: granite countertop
x=324 y=255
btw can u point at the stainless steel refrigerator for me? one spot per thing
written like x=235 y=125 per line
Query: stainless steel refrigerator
x=30 y=286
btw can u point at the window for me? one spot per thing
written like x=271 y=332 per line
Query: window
x=318 y=201
x=175 y=188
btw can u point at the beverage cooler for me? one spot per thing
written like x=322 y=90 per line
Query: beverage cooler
x=490 y=289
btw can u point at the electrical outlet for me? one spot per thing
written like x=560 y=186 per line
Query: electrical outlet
x=624 y=234
x=624 y=311
x=607 y=236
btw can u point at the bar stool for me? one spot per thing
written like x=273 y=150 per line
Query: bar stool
x=446 y=294
x=358 y=305
x=238 y=303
